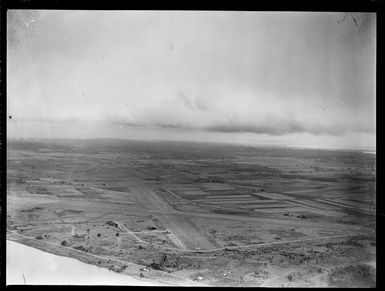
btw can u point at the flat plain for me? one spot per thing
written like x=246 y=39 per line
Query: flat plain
x=181 y=213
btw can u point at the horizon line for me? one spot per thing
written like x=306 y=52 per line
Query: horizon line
x=245 y=144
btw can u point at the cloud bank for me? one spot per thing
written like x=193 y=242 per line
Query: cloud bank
x=214 y=72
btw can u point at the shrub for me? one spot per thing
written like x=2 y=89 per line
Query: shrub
x=64 y=243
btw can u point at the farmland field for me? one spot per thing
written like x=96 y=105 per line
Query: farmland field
x=196 y=214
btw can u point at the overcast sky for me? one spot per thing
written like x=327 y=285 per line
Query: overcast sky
x=253 y=77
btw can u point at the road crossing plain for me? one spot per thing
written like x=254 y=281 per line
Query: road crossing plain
x=199 y=214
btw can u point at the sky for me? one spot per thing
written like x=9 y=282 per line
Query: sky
x=289 y=78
